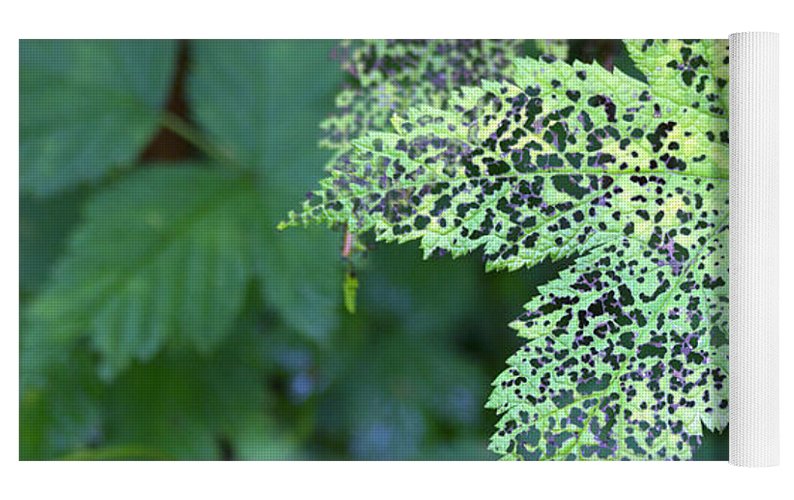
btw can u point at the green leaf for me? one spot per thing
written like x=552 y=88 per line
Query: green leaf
x=187 y=400
x=262 y=101
x=425 y=298
x=301 y=276
x=44 y=225
x=163 y=256
x=627 y=354
x=63 y=415
x=178 y=406
x=87 y=106
x=402 y=388
x=257 y=98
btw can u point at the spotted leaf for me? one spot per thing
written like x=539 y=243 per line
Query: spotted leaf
x=627 y=350
x=626 y=358
x=553 y=47
x=392 y=75
x=694 y=73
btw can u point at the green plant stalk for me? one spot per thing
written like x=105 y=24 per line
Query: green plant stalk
x=186 y=131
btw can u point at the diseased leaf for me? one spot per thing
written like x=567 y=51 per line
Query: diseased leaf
x=624 y=360
x=552 y=47
x=164 y=256
x=87 y=106
x=393 y=75
x=692 y=73
x=627 y=354
x=526 y=174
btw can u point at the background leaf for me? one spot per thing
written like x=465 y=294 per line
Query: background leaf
x=262 y=102
x=87 y=106
x=402 y=395
x=44 y=224
x=178 y=406
x=164 y=255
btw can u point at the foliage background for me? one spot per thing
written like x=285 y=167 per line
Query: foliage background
x=164 y=317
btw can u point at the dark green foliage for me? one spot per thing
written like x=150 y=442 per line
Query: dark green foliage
x=164 y=255
x=87 y=107
x=163 y=316
x=44 y=224
x=261 y=104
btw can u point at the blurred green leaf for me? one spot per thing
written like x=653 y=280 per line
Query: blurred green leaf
x=87 y=106
x=195 y=407
x=302 y=278
x=262 y=102
x=714 y=447
x=464 y=448
x=62 y=416
x=44 y=224
x=425 y=297
x=182 y=405
x=403 y=392
x=257 y=437
x=164 y=255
